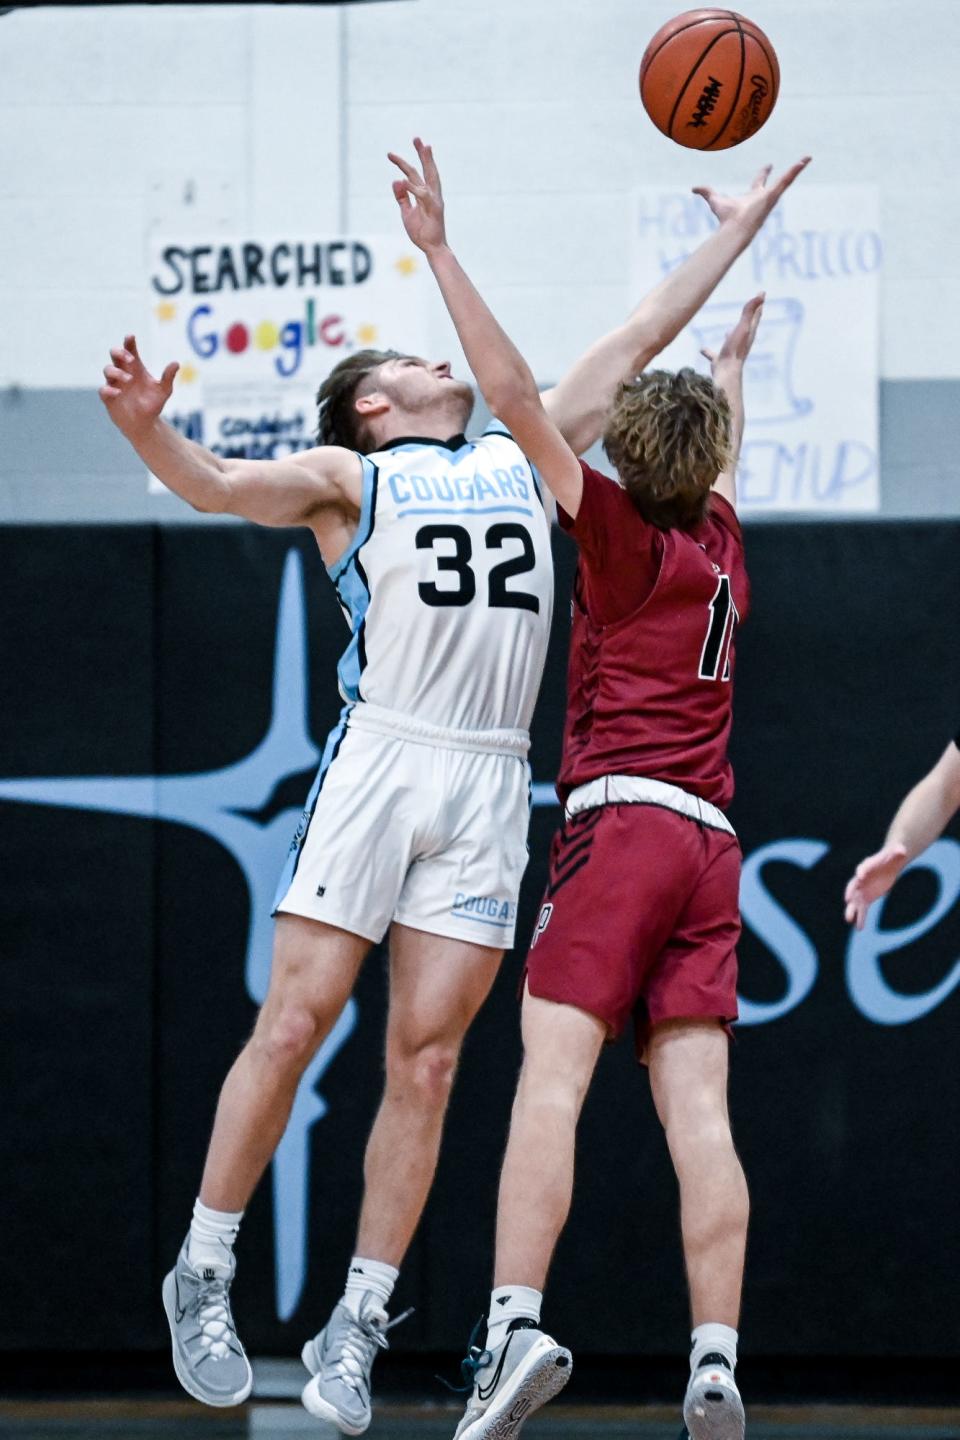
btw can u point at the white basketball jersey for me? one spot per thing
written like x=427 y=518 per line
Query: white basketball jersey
x=448 y=585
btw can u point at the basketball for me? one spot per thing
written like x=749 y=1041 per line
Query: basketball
x=709 y=79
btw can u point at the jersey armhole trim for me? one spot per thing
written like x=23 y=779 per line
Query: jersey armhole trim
x=368 y=508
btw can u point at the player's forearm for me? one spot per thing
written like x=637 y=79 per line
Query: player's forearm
x=729 y=377
x=580 y=401
x=505 y=379
x=921 y=818
x=189 y=470
x=924 y=815
x=662 y=314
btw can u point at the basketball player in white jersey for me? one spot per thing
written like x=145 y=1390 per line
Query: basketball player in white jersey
x=439 y=551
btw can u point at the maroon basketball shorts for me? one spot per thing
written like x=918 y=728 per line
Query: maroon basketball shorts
x=640 y=919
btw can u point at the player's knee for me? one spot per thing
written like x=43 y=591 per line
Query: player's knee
x=699 y=1130
x=422 y=1073
x=546 y=1085
x=287 y=1037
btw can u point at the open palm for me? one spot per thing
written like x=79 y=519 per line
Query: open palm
x=134 y=398
x=872 y=878
x=738 y=342
x=752 y=208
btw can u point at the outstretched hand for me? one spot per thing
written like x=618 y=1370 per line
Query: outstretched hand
x=420 y=198
x=134 y=398
x=751 y=209
x=872 y=878
x=739 y=341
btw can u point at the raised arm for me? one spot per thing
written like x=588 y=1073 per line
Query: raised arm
x=292 y=491
x=727 y=369
x=921 y=818
x=503 y=375
x=580 y=402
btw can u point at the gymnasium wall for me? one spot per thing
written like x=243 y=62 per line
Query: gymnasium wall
x=120 y=122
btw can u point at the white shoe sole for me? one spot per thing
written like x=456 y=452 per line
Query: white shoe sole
x=314 y=1403
x=545 y=1370
x=182 y=1374
x=712 y=1409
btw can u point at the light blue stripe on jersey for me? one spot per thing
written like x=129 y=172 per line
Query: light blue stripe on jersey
x=352 y=590
x=300 y=839
x=467 y=510
x=368 y=499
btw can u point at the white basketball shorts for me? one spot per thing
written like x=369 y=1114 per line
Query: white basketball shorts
x=416 y=824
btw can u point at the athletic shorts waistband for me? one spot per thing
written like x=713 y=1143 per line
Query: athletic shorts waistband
x=381 y=721
x=638 y=790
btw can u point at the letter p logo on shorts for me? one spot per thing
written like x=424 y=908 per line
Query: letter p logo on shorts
x=543 y=920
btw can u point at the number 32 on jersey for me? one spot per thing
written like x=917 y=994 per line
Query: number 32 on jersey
x=455 y=561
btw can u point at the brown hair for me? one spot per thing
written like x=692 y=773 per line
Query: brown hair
x=338 y=422
x=669 y=436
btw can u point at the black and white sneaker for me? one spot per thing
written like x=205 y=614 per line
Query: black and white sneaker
x=712 y=1408
x=509 y=1383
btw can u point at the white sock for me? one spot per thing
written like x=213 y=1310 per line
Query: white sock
x=713 y=1339
x=368 y=1277
x=507 y=1303
x=212 y=1232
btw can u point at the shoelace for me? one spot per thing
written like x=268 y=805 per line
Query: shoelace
x=211 y=1309
x=475 y=1359
x=363 y=1338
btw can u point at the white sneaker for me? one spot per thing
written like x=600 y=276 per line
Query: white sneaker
x=340 y=1359
x=525 y=1371
x=712 y=1408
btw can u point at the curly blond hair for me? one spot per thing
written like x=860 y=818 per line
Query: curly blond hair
x=669 y=437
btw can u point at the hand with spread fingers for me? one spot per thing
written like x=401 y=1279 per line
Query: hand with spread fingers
x=739 y=341
x=420 y=198
x=752 y=208
x=134 y=398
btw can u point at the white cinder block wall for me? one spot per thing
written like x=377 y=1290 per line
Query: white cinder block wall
x=533 y=107
x=107 y=116
x=118 y=121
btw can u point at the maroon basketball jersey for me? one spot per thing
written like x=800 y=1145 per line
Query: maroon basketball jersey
x=650 y=676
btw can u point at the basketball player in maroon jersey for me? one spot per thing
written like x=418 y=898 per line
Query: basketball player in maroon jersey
x=641 y=916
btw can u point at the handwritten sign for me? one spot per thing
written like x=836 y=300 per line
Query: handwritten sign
x=811 y=381
x=257 y=325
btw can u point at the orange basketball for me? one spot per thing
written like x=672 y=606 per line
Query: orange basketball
x=709 y=79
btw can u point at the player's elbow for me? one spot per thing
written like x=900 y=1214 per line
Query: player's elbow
x=635 y=344
x=652 y=341
x=212 y=500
